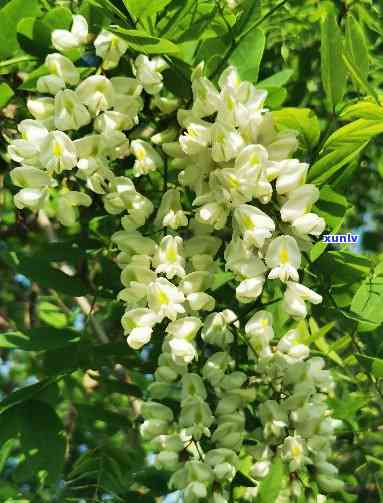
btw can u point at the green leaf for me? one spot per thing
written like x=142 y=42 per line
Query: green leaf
x=10 y=15
x=51 y=314
x=277 y=80
x=247 y=55
x=319 y=334
x=5 y=451
x=272 y=484
x=363 y=110
x=220 y=279
x=373 y=365
x=367 y=302
x=302 y=120
x=58 y=18
x=275 y=96
x=356 y=45
x=139 y=8
x=33 y=36
x=333 y=69
x=6 y=94
x=33 y=391
x=42 y=439
x=250 y=16
x=359 y=77
x=141 y=41
x=354 y=133
x=39 y=339
x=47 y=276
x=109 y=7
x=332 y=162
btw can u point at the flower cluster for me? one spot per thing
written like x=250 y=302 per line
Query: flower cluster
x=53 y=151
x=227 y=392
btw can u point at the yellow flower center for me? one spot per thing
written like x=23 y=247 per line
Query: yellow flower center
x=171 y=254
x=56 y=149
x=162 y=297
x=283 y=255
x=247 y=222
x=233 y=182
x=264 y=322
x=296 y=451
x=140 y=153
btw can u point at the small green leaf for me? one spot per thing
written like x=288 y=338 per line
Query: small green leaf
x=248 y=53
x=39 y=339
x=33 y=36
x=367 y=302
x=373 y=365
x=141 y=41
x=42 y=439
x=364 y=109
x=6 y=94
x=359 y=77
x=272 y=484
x=58 y=18
x=277 y=80
x=332 y=65
x=10 y=15
x=275 y=96
x=140 y=9
x=356 y=45
x=302 y=120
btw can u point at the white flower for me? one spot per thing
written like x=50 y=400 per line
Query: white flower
x=197 y=137
x=295 y=297
x=261 y=469
x=260 y=330
x=205 y=96
x=310 y=223
x=250 y=289
x=69 y=112
x=293 y=451
x=226 y=143
x=170 y=213
x=30 y=198
x=165 y=299
x=138 y=318
x=62 y=67
x=214 y=214
x=182 y=350
x=30 y=177
x=64 y=40
x=299 y=202
x=292 y=175
x=110 y=48
x=284 y=258
x=42 y=109
x=148 y=73
x=96 y=92
x=254 y=224
x=57 y=152
x=184 y=328
x=50 y=84
x=26 y=150
x=292 y=348
x=139 y=336
x=67 y=212
x=147 y=158
x=242 y=261
x=169 y=257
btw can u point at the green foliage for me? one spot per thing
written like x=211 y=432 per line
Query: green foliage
x=78 y=423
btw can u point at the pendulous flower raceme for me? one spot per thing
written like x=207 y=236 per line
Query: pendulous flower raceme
x=230 y=393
